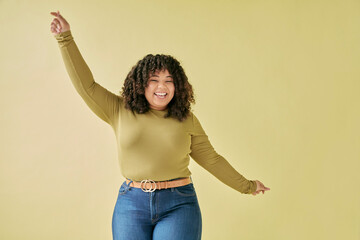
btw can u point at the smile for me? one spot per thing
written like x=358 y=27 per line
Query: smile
x=160 y=95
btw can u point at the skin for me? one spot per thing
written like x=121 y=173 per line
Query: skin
x=260 y=188
x=161 y=81
x=59 y=24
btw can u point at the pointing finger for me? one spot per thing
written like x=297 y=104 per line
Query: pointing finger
x=59 y=15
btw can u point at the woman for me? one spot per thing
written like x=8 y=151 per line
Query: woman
x=156 y=134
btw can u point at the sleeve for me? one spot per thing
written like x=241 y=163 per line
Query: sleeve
x=102 y=102
x=204 y=154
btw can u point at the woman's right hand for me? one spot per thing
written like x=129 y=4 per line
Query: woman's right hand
x=260 y=188
x=59 y=24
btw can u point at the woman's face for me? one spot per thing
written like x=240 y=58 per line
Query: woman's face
x=160 y=89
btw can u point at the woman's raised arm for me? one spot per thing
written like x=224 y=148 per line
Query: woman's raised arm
x=102 y=102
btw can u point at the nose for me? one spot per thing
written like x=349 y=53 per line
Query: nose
x=161 y=85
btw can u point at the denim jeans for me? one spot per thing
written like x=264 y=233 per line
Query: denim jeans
x=165 y=214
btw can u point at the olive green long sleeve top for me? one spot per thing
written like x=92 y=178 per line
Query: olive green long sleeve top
x=149 y=145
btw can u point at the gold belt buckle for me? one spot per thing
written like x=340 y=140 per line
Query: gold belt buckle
x=147 y=181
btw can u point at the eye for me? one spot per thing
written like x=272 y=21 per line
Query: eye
x=169 y=81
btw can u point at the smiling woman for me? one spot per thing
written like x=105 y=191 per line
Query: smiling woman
x=158 y=82
x=156 y=135
x=160 y=90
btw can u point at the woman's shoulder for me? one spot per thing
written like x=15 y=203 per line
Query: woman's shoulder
x=192 y=119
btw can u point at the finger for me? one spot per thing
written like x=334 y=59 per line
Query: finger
x=53 y=25
x=60 y=16
x=54 y=30
x=56 y=14
x=57 y=27
x=56 y=21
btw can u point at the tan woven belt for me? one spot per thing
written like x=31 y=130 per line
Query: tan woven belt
x=149 y=185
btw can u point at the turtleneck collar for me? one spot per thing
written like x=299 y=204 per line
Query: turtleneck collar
x=160 y=113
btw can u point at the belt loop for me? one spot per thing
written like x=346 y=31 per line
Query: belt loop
x=129 y=182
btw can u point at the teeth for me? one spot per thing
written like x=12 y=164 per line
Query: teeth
x=161 y=94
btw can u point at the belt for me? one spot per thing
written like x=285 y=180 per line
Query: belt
x=148 y=185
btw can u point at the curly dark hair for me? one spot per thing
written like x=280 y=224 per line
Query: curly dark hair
x=136 y=81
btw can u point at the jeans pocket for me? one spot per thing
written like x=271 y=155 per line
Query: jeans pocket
x=186 y=191
x=123 y=189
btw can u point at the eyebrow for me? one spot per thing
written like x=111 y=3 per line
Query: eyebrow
x=154 y=75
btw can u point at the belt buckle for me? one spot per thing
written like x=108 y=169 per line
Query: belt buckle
x=147 y=181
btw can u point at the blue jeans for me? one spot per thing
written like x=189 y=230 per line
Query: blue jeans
x=164 y=214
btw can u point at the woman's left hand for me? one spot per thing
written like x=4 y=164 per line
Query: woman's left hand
x=260 y=188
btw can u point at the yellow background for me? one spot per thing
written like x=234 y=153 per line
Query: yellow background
x=277 y=90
